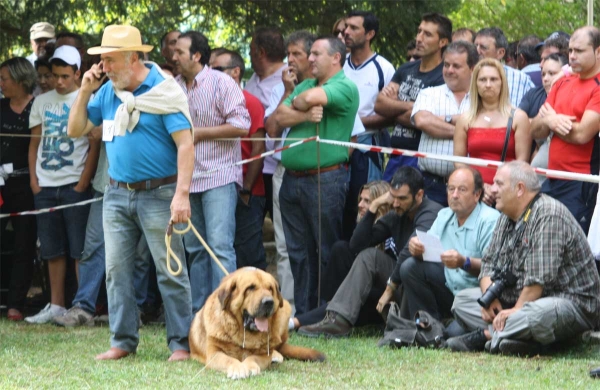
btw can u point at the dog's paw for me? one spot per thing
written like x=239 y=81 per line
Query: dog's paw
x=276 y=357
x=253 y=367
x=238 y=370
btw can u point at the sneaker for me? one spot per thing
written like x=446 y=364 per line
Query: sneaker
x=519 y=348
x=470 y=342
x=73 y=317
x=333 y=325
x=45 y=315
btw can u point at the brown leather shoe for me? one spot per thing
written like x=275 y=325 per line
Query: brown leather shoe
x=113 y=354
x=179 y=355
x=333 y=325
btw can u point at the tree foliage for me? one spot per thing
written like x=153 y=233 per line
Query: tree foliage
x=226 y=23
x=518 y=18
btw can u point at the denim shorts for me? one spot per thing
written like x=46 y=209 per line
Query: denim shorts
x=62 y=232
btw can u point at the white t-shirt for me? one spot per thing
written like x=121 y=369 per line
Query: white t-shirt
x=60 y=161
x=367 y=79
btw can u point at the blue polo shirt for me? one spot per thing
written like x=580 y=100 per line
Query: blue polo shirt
x=148 y=152
x=471 y=239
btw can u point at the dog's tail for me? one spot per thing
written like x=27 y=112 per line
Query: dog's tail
x=301 y=353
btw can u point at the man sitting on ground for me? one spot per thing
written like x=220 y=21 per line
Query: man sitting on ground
x=465 y=230
x=551 y=288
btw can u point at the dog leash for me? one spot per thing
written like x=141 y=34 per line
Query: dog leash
x=170 y=253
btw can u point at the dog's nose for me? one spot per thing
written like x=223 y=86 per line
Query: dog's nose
x=267 y=304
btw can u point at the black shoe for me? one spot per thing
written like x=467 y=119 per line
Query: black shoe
x=333 y=325
x=470 y=342
x=519 y=348
x=595 y=373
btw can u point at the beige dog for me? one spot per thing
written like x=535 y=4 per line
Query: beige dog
x=243 y=326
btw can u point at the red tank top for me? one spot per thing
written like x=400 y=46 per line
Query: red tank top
x=487 y=144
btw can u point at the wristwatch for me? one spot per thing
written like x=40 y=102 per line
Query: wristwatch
x=448 y=119
x=391 y=284
x=244 y=191
x=467 y=264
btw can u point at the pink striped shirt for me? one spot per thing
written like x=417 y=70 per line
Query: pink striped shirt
x=215 y=99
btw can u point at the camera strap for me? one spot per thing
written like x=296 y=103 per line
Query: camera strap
x=520 y=230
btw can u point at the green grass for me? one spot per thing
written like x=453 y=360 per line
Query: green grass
x=44 y=356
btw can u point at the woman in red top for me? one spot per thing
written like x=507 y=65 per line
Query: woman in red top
x=480 y=132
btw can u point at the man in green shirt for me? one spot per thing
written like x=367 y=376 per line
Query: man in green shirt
x=327 y=106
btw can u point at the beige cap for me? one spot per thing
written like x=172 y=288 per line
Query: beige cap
x=41 y=30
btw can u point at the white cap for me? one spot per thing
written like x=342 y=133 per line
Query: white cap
x=68 y=54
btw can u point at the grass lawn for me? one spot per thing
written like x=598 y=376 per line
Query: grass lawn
x=44 y=356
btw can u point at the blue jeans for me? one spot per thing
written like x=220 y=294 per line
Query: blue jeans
x=299 y=212
x=129 y=215
x=213 y=215
x=62 y=230
x=92 y=264
x=436 y=190
x=249 y=248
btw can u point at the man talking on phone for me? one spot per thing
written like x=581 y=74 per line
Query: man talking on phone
x=150 y=151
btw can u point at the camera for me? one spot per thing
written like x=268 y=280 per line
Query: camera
x=501 y=279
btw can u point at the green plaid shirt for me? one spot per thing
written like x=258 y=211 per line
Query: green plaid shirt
x=552 y=252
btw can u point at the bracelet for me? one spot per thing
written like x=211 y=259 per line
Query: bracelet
x=467 y=265
x=391 y=284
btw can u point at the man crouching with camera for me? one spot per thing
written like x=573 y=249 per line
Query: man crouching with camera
x=538 y=277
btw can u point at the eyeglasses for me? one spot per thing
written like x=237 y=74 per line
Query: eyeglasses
x=461 y=190
x=338 y=32
x=222 y=68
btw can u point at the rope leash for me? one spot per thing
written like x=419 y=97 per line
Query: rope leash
x=169 y=233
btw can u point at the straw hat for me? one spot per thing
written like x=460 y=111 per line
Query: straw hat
x=120 y=38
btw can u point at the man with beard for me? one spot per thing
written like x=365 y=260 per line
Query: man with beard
x=370 y=72
x=373 y=267
x=167 y=48
x=151 y=159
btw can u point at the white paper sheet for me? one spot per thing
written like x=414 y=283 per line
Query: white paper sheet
x=433 y=247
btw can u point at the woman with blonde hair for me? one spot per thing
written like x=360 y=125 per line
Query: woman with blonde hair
x=483 y=131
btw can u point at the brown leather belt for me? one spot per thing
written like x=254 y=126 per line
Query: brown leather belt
x=312 y=172
x=146 y=184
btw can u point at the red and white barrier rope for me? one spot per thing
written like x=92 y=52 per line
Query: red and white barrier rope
x=462 y=160
x=41 y=211
x=258 y=157
x=394 y=151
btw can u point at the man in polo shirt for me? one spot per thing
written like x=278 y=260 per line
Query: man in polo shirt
x=572 y=113
x=218 y=110
x=327 y=106
x=370 y=72
x=435 y=113
x=465 y=230
x=491 y=43
x=151 y=158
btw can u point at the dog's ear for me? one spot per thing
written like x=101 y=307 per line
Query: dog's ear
x=225 y=293
x=278 y=292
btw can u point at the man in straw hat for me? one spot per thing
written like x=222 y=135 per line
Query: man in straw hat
x=146 y=127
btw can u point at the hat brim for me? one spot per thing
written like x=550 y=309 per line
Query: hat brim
x=110 y=49
x=42 y=34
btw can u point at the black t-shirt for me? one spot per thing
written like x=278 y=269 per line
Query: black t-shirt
x=533 y=100
x=411 y=82
x=14 y=149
